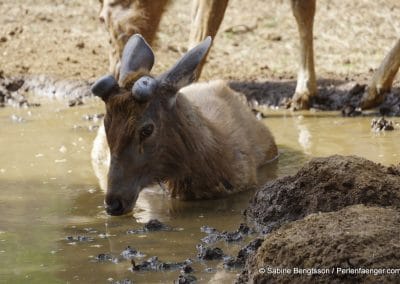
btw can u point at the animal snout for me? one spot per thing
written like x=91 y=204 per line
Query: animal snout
x=114 y=206
x=101 y=18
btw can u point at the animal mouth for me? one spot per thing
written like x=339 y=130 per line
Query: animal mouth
x=117 y=207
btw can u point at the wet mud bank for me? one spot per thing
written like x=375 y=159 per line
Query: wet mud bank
x=24 y=91
x=29 y=91
x=332 y=95
x=336 y=212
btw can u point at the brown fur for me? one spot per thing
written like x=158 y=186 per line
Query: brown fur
x=124 y=18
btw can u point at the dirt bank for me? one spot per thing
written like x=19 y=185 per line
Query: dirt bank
x=323 y=185
x=354 y=237
x=318 y=218
x=256 y=48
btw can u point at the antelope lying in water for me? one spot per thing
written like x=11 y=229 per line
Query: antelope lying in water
x=201 y=141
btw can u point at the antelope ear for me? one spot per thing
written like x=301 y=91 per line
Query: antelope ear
x=184 y=71
x=137 y=60
x=104 y=87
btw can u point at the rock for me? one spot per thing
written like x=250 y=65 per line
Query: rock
x=153 y=264
x=243 y=254
x=185 y=279
x=130 y=253
x=106 y=257
x=381 y=124
x=357 y=89
x=80 y=45
x=232 y=236
x=208 y=230
x=152 y=226
x=186 y=269
x=274 y=37
x=75 y=102
x=125 y=281
x=79 y=239
x=14 y=85
x=356 y=237
x=214 y=235
x=208 y=253
x=323 y=185
x=351 y=111
x=391 y=105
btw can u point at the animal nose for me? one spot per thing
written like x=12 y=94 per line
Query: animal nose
x=114 y=206
x=101 y=18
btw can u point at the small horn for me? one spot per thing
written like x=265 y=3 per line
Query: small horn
x=144 y=88
x=104 y=86
x=137 y=59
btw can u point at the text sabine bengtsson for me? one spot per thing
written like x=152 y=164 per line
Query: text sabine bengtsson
x=333 y=270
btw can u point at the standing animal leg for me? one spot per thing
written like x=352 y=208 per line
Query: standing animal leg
x=207 y=16
x=304 y=11
x=124 y=18
x=382 y=80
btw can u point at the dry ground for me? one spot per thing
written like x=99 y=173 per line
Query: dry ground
x=257 y=41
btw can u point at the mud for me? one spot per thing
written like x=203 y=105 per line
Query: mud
x=106 y=257
x=127 y=254
x=131 y=253
x=79 y=239
x=243 y=254
x=354 y=237
x=125 y=281
x=209 y=253
x=381 y=124
x=332 y=94
x=151 y=226
x=213 y=235
x=26 y=91
x=93 y=117
x=153 y=264
x=391 y=105
x=323 y=185
x=186 y=279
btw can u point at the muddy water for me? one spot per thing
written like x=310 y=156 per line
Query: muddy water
x=48 y=193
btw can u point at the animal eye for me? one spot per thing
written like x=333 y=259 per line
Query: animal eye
x=146 y=131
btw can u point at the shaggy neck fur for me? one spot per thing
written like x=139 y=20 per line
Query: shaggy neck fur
x=202 y=160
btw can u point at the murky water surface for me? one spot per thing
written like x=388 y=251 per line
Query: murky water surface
x=48 y=192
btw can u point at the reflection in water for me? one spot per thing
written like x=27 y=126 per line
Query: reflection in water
x=48 y=192
x=304 y=135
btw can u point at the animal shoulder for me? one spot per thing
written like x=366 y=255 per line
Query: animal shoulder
x=215 y=100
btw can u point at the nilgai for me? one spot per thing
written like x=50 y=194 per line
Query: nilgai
x=200 y=142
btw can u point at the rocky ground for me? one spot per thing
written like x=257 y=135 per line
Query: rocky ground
x=336 y=212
